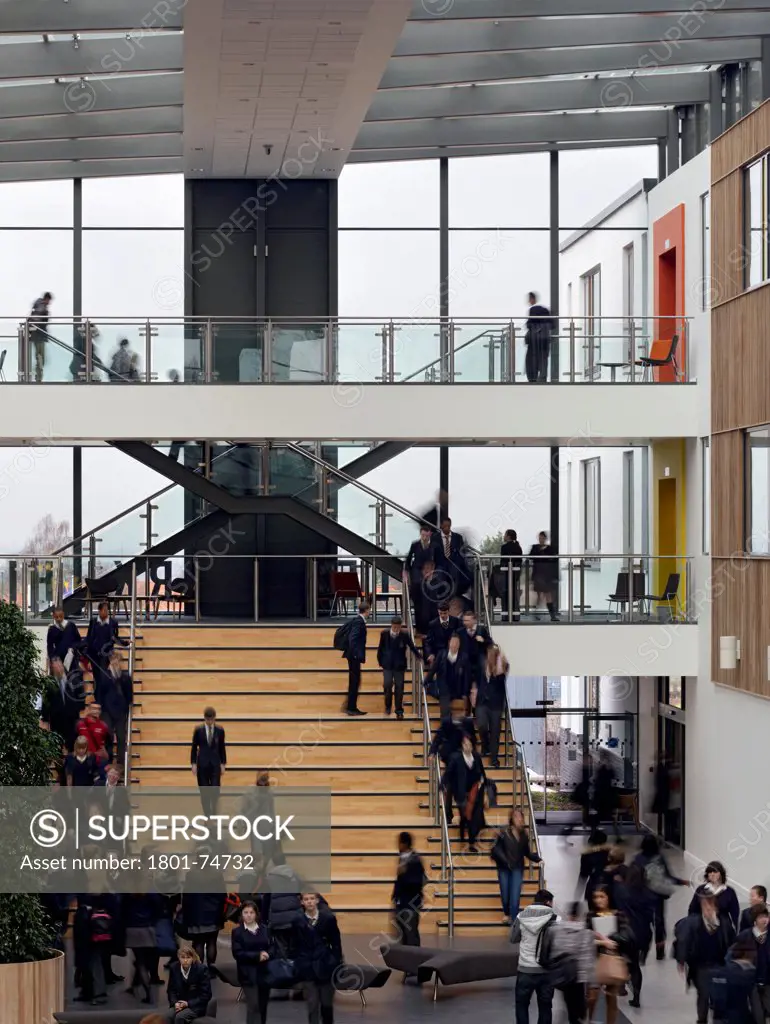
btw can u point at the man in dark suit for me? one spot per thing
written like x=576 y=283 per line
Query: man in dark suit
x=355 y=653
x=208 y=757
x=451 y=547
x=63 y=703
x=102 y=636
x=439 y=632
x=421 y=552
x=436 y=586
x=474 y=643
x=117 y=696
x=62 y=636
x=540 y=327
x=449 y=676
x=391 y=657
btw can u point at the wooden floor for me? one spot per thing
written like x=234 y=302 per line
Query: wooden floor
x=278 y=692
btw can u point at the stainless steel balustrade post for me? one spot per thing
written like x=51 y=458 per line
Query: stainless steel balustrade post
x=512 y=362
x=631 y=592
x=632 y=350
x=582 y=588
x=509 y=585
x=267 y=353
x=23 y=350
x=208 y=352
x=571 y=332
x=197 y=574
x=314 y=589
x=89 y=351
x=451 y=350
x=24 y=590
x=147 y=351
x=92 y=542
x=392 y=351
x=570 y=592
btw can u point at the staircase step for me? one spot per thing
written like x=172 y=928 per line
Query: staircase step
x=272 y=754
x=339 y=778
x=285 y=680
x=289 y=730
x=163 y=703
x=261 y=658
x=256 y=635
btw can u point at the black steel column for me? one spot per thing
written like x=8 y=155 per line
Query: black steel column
x=444 y=311
x=77 y=311
x=715 y=103
x=661 y=159
x=672 y=141
x=553 y=236
x=765 y=69
x=553 y=240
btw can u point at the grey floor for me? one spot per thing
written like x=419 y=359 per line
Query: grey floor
x=663 y=995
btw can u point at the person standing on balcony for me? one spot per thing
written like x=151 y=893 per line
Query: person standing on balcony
x=510 y=565
x=355 y=654
x=38 y=331
x=488 y=701
x=391 y=657
x=540 y=326
x=208 y=758
x=545 y=573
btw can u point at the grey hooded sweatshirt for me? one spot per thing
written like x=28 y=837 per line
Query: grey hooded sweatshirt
x=526 y=931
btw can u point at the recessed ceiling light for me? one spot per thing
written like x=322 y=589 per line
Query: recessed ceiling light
x=198 y=170
x=197 y=149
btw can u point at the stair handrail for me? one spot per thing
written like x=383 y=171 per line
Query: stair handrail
x=31 y=329
x=447 y=868
x=133 y=508
x=441 y=358
x=520 y=760
x=131 y=667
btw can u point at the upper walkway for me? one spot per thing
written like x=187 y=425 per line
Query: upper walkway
x=344 y=379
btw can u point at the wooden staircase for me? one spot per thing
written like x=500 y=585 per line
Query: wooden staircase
x=278 y=691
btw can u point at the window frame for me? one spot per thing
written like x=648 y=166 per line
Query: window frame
x=763 y=164
x=705 y=251
x=592 y=467
x=705 y=469
x=749 y=444
x=591 y=301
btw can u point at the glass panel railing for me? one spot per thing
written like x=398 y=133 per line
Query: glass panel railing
x=595 y=588
x=593 y=350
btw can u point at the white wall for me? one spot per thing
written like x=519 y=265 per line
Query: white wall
x=615 y=649
x=567 y=414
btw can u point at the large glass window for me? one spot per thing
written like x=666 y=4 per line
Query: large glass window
x=491 y=272
x=591 y=476
x=382 y=195
x=510 y=190
x=758 y=486
x=36 y=204
x=756 y=238
x=142 y=201
x=589 y=179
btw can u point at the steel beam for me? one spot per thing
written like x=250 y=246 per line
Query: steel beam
x=659 y=31
x=412 y=72
x=131 y=92
x=626 y=124
x=430 y=153
x=151 y=52
x=42 y=171
x=21 y=16
x=113 y=148
x=156 y=120
x=543 y=96
x=444 y=10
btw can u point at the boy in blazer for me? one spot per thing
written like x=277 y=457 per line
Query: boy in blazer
x=208 y=758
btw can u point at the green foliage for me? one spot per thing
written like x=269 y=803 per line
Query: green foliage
x=491 y=545
x=26 y=755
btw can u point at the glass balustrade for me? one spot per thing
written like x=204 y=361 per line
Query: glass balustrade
x=583 y=350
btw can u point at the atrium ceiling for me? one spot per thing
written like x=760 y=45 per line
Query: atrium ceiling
x=259 y=88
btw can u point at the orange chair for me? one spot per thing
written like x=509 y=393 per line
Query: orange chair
x=662 y=353
x=346 y=586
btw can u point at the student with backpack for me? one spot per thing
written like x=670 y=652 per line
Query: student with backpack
x=350 y=638
x=533 y=977
x=92 y=935
x=701 y=942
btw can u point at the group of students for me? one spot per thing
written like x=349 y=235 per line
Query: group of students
x=722 y=953
x=95 y=734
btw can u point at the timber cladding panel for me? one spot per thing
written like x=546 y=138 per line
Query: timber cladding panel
x=739 y=588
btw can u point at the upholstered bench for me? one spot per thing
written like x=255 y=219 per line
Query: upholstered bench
x=348 y=978
x=451 y=966
x=104 y=1015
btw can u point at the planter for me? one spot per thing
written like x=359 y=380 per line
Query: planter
x=31 y=993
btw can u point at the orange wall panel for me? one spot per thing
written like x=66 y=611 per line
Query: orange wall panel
x=668 y=271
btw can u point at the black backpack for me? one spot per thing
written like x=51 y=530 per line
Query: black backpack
x=342 y=635
x=101 y=926
x=560 y=966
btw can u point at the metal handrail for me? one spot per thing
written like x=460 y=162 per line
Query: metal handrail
x=131 y=664
x=520 y=761
x=133 y=508
x=440 y=359
x=447 y=869
x=31 y=328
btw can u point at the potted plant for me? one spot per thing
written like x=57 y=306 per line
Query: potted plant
x=31 y=972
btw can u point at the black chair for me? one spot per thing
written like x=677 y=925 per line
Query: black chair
x=97 y=590
x=620 y=597
x=670 y=595
x=659 y=356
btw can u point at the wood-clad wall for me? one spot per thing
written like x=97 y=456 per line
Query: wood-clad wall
x=740 y=398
